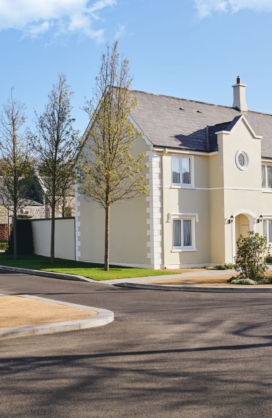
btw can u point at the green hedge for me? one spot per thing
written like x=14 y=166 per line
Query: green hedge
x=3 y=245
x=25 y=243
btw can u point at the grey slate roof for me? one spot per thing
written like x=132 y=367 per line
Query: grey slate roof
x=185 y=124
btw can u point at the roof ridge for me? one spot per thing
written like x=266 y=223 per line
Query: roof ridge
x=197 y=101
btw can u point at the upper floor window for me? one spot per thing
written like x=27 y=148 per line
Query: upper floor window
x=267 y=176
x=182 y=171
x=242 y=160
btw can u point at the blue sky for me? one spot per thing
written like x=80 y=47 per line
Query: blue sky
x=192 y=49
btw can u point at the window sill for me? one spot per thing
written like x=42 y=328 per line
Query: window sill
x=181 y=250
x=182 y=186
x=266 y=190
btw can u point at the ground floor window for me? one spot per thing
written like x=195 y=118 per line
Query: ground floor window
x=182 y=233
x=267 y=230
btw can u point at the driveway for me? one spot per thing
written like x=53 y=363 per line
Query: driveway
x=167 y=354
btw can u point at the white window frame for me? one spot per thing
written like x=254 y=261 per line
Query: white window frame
x=267 y=230
x=183 y=185
x=184 y=217
x=266 y=188
x=246 y=157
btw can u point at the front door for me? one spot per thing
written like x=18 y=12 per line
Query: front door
x=241 y=226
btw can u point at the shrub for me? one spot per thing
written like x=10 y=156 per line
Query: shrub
x=220 y=267
x=25 y=244
x=251 y=252
x=268 y=259
x=268 y=279
x=243 y=281
x=226 y=266
x=229 y=266
x=3 y=245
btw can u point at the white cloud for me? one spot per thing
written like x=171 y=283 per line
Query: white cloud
x=121 y=31
x=35 y=17
x=207 y=7
x=37 y=29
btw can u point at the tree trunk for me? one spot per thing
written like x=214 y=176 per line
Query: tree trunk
x=14 y=236
x=52 y=251
x=107 y=239
x=63 y=208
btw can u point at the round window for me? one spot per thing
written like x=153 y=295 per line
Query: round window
x=242 y=160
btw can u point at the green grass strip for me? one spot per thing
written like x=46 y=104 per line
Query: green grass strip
x=89 y=270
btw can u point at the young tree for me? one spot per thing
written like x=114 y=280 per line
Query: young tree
x=14 y=165
x=107 y=170
x=56 y=146
x=66 y=194
x=251 y=251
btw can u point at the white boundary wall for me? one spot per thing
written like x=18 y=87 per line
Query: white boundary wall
x=64 y=237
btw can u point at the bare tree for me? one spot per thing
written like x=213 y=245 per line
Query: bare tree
x=107 y=170
x=14 y=160
x=56 y=146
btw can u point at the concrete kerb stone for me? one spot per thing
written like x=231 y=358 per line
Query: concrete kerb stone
x=104 y=317
x=50 y=275
x=63 y=276
x=138 y=282
x=214 y=289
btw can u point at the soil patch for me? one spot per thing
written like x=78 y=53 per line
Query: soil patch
x=212 y=280
x=20 y=312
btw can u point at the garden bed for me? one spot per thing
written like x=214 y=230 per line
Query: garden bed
x=209 y=280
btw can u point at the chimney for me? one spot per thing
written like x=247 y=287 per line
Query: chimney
x=239 y=96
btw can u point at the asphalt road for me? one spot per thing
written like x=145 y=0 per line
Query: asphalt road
x=167 y=354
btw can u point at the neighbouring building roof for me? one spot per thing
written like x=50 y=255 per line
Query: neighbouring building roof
x=190 y=125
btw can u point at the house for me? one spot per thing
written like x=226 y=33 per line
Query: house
x=210 y=180
x=35 y=205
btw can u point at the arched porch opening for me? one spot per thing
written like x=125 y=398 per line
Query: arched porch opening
x=243 y=222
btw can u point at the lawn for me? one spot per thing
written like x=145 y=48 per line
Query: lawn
x=89 y=270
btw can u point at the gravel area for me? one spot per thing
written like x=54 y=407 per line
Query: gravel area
x=18 y=311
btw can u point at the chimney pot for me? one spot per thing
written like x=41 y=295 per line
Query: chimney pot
x=238 y=81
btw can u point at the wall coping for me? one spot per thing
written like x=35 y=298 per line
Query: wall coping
x=50 y=219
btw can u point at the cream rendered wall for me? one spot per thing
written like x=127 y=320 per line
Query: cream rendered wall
x=266 y=204
x=142 y=229
x=64 y=238
x=242 y=188
x=186 y=201
x=128 y=227
x=216 y=182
